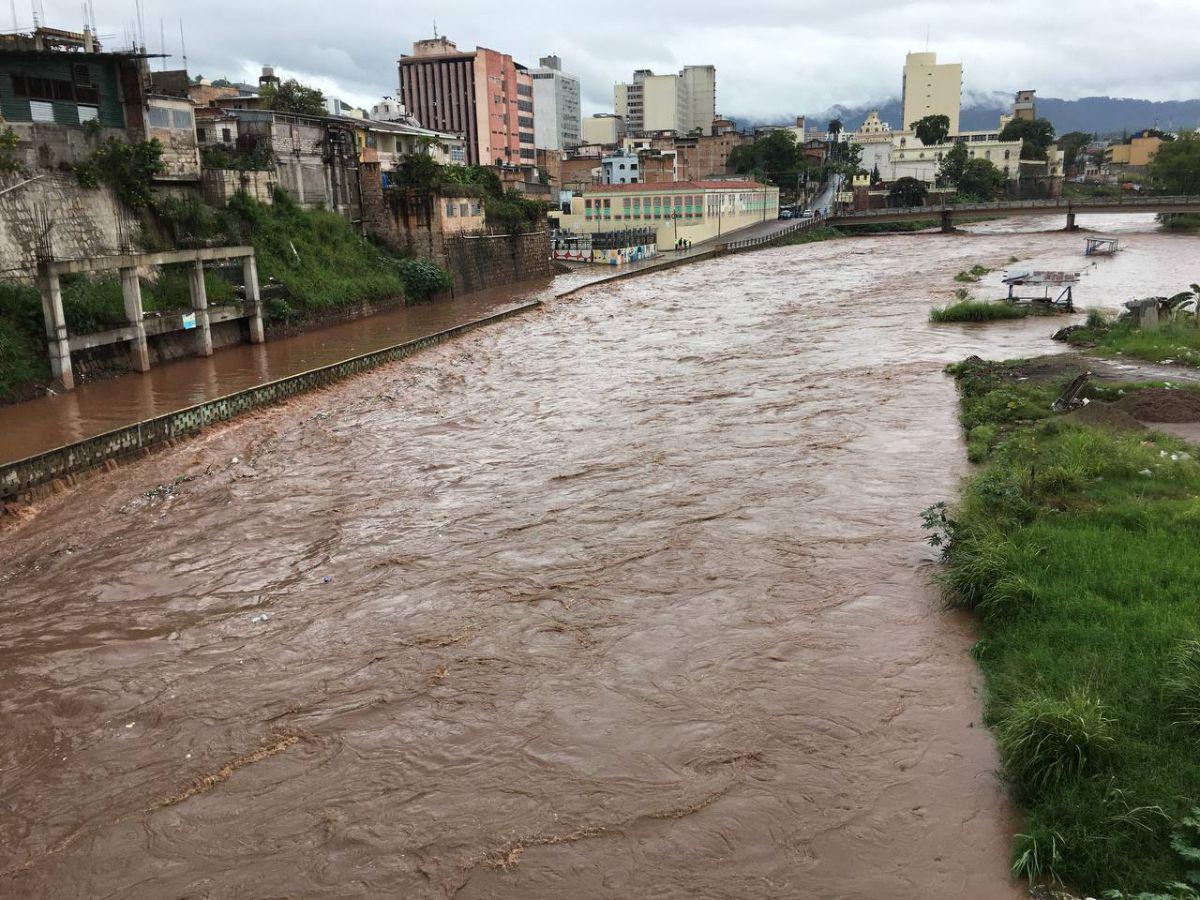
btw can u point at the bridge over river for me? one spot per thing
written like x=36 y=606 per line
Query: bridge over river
x=947 y=214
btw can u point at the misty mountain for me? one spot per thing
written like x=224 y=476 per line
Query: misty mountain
x=1098 y=115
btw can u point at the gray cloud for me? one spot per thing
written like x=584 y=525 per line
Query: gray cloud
x=773 y=58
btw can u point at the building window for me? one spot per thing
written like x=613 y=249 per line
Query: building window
x=200 y=135
x=160 y=117
x=181 y=119
x=226 y=135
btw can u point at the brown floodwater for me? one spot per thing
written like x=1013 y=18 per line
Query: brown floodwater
x=626 y=597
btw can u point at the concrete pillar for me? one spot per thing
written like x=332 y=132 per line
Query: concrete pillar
x=253 y=299
x=1149 y=316
x=200 y=306
x=131 y=291
x=56 y=328
x=947 y=222
x=1071 y=226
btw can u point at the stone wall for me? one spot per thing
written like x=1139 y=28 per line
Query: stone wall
x=82 y=221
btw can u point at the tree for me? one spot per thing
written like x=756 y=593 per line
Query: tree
x=295 y=98
x=1070 y=144
x=1036 y=136
x=876 y=178
x=932 y=130
x=981 y=179
x=954 y=163
x=908 y=192
x=1176 y=166
x=835 y=127
x=776 y=156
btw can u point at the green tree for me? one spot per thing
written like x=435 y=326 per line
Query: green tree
x=295 y=98
x=1176 y=166
x=954 y=163
x=1036 y=136
x=981 y=179
x=1070 y=144
x=932 y=130
x=127 y=168
x=776 y=157
x=908 y=192
x=835 y=127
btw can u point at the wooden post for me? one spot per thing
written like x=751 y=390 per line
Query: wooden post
x=131 y=292
x=253 y=299
x=200 y=306
x=56 y=327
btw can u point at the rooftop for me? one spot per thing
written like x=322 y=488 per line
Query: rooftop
x=658 y=187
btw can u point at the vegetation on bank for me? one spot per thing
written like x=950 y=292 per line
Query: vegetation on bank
x=1071 y=545
x=977 y=311
x=807 y=236
x=973 y=274
x=1176 y=340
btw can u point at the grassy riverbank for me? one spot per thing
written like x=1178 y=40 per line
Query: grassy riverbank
x=1177 y=342
x=977 y=311
x=1074 y=546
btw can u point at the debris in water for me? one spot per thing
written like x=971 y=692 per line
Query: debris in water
x=261 y=617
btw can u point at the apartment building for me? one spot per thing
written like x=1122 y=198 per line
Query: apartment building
x=481 y=94
x=685 y=103
x=603 y=128
x=556 y=120
x=930 y=88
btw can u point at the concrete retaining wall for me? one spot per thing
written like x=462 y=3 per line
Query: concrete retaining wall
x=20 y=476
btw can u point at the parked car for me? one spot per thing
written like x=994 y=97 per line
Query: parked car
x=786 y=214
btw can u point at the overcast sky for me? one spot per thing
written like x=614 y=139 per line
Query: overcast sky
x=773 y=57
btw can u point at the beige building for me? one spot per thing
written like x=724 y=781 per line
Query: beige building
x=684 y=103
x=1138 y=153
x=603 y=128
x=931 y=89
x=694 y=210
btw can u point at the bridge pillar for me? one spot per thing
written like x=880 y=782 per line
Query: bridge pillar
x=200 y=307
x=947 y=222
x=58 y=344
x=131 y=293
x=1071 y=226
x=253 y=299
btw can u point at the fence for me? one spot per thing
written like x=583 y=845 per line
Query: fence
x=18 y=477
x=797 y=225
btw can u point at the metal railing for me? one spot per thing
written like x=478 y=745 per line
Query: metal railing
x=796 y=225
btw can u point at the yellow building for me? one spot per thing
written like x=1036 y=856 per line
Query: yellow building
x=931 y=89
x=693 y=210
x=1137 y=153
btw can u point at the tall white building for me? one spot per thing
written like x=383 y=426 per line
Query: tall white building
x=557 y=124
x=684 y=103
x=931 y=89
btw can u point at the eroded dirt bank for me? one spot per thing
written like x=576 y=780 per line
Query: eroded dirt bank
x=624 y=598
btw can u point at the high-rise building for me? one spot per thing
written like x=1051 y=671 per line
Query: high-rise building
x=481 y=94
x=931 y=89
x=556 y=121
x=685 y=103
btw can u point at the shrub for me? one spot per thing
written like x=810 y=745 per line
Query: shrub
x=422 y=278
x=1045 y=740
x=127 y=168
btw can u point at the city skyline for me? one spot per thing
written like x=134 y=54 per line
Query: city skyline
x=772 y=62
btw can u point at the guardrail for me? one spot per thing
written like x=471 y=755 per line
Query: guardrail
x=1070 y=205
x=19 y=476
x=797 y=225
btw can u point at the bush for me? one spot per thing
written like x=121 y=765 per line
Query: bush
x=422 y=278
x=977 y=311
x=127 y=168
x=1045 y=740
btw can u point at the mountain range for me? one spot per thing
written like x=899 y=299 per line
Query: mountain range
x=1096 y=115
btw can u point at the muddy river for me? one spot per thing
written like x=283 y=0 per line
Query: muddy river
x=626 y=597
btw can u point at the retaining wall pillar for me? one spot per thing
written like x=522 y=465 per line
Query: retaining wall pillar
x=131 y=292
x=56 y=329
x=1071 y=226
x=253 y=299
x=947 y=222
x=200 y=306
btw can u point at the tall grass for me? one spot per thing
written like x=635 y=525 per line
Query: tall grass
x=977 y=311
x=1178 y=340
x=1074 y=546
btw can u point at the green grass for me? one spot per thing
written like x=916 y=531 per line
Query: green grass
x=809 y=236
x=977 y=311
x=1177 y=341
x=1083 y=571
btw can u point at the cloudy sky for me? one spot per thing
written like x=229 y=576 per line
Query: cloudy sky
x=774 y=58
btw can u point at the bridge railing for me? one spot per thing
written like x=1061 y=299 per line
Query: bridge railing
x=1067 y=205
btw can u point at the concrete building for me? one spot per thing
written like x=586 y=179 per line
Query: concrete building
x=481 y=94
x=684 y=103
x=1136 y=154
x=931 y=89
x=620 y=168
x=603 y=128
x=398 y=133
x=556 y=119
x=695 y=210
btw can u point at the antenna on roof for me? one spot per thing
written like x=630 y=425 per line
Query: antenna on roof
x=162 y=43
x=16 y=27
x=33 y=7
x=92 y=10
x=182 y=44
x=435 y=34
